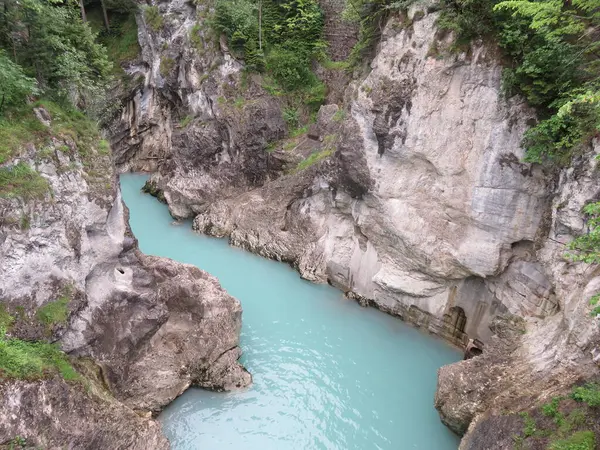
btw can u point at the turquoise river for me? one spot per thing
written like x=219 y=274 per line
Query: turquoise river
x=328 y=374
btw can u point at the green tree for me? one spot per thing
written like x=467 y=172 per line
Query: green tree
x=15 y=86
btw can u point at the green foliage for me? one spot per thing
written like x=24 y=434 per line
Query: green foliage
x=58 y=48
x=467 y=19
x=553 y=49
x=580 y=440
x=529 y=425
x=334 y=65
x=21 y=181
x=17 y=442
x=103 y=147
x=18 y=126
x=313 y=159
x=32 y=360
x=195 y=38
x=340 y=115
x=15 y=86
x=289 y=68
x=290 y=37
x=185 y=121
x=55 y=312
x=291 y=117
x=153 y=18
x=121 y=41
x=586 y=248
x=551 y=409
x=594 y=302
x=371 y=15
x=6 y=319
x=588 y=394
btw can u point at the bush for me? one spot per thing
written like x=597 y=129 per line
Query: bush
x=153 y=18
x=15 y=86
x=289 y=68
x=588 y=394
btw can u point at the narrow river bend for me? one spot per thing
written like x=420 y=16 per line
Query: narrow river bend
x=328 y=374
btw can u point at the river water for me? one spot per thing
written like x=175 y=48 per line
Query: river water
x=328 y=374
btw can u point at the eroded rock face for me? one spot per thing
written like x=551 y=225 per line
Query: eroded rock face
x=156 y=326
x=420 y=204
x=152 y=325
x=53 y=414
x=521 y=369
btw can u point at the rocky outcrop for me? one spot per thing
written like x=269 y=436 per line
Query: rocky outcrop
x=412 y=196
x=54 y=414
x=145 y=313
x=150 y=325
x=543 y=358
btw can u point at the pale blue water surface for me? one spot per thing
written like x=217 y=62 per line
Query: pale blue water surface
x=328 y=374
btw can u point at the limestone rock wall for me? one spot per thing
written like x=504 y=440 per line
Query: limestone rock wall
x=150 y=325
x=424 y=208
x=410 y=194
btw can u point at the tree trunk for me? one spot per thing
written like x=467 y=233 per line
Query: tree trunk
x=106 y=23
x=260 y=25
x=83 y=16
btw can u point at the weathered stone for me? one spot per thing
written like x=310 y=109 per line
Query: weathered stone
x=54 y=414
x=146 y=313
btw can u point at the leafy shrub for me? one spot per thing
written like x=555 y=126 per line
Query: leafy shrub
x=291 y=117
x=290 y=69
x=153 y=18
x=290 y=37
x=551 y=409
x=586 y=248
x=15 y=86
x=589 y=394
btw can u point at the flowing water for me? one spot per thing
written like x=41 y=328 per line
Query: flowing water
x=328 y=374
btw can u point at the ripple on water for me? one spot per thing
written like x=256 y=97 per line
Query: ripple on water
x=328 y=374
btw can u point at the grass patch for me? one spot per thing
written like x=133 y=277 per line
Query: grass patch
x=103 y=147
x=580 y=440
x=339 y=115
x=6 y=319
x=185 y=121
x=17 y=127
x=56 y=312
x=33 y=360
x=195 y=38
x=21 y=181
x=335 y=65
x=313 y=159
x=529 y=426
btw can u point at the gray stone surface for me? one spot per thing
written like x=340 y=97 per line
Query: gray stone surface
x=153 y=326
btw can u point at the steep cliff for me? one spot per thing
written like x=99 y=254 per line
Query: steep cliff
x=410 y=194
x=138 y=330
